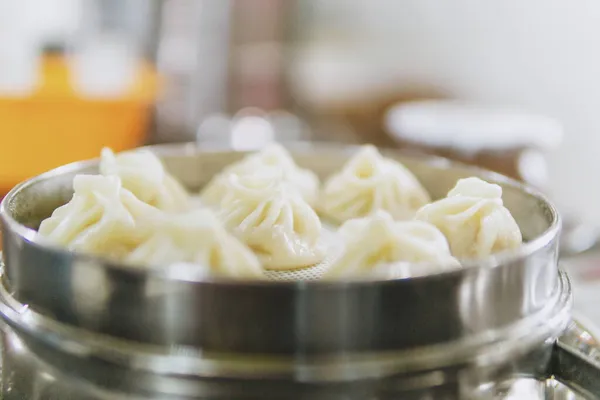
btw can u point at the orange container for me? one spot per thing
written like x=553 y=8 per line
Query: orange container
x=55 y=125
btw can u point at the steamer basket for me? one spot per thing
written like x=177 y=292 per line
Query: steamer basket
x=166 y=333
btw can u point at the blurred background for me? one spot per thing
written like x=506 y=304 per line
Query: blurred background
x=507 y=85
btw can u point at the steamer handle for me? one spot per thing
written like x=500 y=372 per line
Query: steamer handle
x=576 y=360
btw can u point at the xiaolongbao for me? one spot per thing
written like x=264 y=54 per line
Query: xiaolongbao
x=272 y=218
x=102 y=218
x=275 y=156
x=144 y=175
x=370 y=182
x=474 y=219
x=379 y=246
x=198 y=237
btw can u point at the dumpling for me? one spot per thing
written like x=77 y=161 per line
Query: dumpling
x=144 y=175
x=214 y=192
x=102 y=218
x=380 y=247
x=474 y=219
x=368 y=183
x=272 y=218
x=275 y=156
x=198 y=237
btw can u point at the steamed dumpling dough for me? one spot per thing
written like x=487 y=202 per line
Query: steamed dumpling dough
x=474 y=219
x=272 y=218
x=379 y=246
x=273 y=156
x=102 y=218
x=145 y=176
x=198 y=237
x=370 y=182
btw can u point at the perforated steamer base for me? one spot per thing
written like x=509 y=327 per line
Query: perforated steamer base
x=334 y=248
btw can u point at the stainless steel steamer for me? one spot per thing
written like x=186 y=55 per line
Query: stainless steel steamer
x=78 y=327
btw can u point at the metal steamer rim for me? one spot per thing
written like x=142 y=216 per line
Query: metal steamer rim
x=483 y=350
x=484 y=312
x=168 y=323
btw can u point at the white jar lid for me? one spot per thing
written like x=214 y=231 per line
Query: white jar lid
x=470 y=127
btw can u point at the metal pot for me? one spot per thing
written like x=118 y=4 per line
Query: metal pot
x=85 y=328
